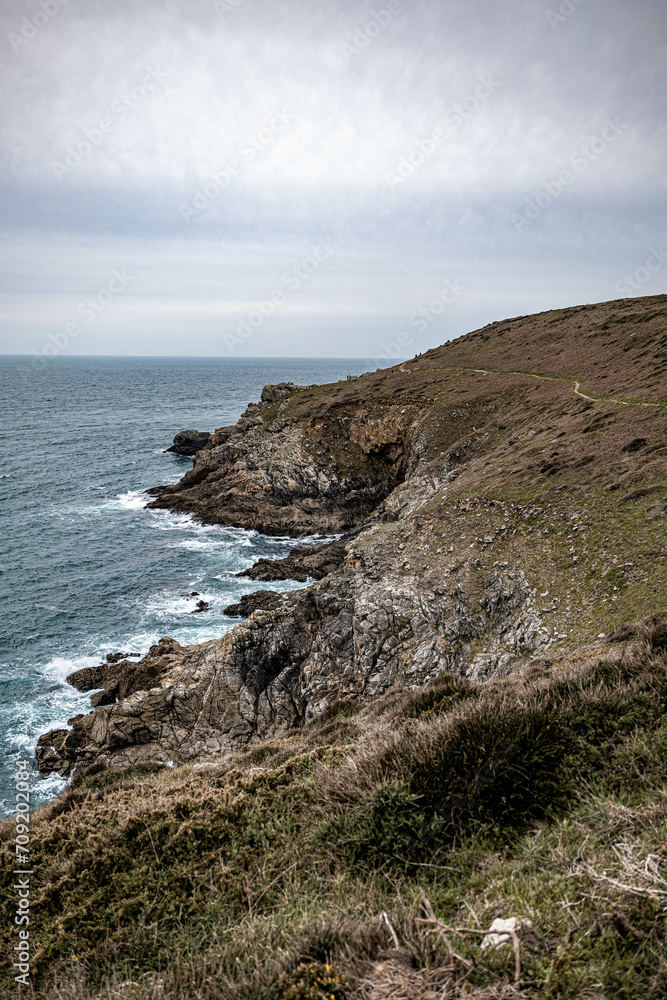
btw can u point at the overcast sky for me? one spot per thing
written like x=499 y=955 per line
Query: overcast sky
x=322 y=177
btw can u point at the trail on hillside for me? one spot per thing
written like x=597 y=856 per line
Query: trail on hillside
x=573 y=382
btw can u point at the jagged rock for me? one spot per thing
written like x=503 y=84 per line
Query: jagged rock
x=201 y=606
x=189 y=442
x=284 y=475
x=52 y=757
x=361 y=630
x=385 y=615
x=117 y=680
x=107 y=697
x=272 y=393
x=264 y=600
x=302 y=563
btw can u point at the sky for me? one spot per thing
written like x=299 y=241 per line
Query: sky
x=322 y=177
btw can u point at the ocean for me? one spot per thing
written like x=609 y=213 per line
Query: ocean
x=85 y=569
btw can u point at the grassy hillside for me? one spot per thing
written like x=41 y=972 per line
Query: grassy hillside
x=615 y=349
x=542 y=796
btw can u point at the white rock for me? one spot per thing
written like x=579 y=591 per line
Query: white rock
x=499 y=931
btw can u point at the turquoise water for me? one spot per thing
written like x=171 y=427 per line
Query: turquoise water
x=85 y=569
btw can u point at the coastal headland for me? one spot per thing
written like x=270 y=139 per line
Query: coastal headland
x=496 y=499
x=459 y=718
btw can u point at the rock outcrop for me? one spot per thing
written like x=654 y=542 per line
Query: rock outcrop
x=361 y=630
x=189 y=442
x=490 y=517
x=284 y=474
x=302 y=563
x=272 y=393
x=260 y=600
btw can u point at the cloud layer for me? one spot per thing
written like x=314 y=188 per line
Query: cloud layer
x=209 y=147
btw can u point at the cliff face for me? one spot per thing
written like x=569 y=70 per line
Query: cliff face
x=506 y=514
x=305 y=474
x=360 y=631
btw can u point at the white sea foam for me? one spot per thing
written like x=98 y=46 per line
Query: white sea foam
x=166 y=521
x=189 y=631
x=52 y=705
x=188 y=636
x=196 y=545
x=48 y=788
x=166 y=605
x=217 y=545
x=59 y=668
x=132 y=500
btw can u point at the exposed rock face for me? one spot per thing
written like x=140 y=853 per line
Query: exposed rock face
x=272 y=393
x=293 y=476
x=261 y=600
x=303 y=563
x=373 y=623
x=115 y=679
x=54 y=755
x=189 y=442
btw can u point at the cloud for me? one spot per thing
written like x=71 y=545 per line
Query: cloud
x=282 y=121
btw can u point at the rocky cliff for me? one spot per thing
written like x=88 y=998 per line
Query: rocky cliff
x=295 y=474
x=503 y=498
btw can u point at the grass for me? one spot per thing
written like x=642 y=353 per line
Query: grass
x=541 y=796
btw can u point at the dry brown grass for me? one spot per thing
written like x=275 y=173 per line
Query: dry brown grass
x=288 y=902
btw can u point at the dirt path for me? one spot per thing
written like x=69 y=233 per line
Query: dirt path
x=576 y=385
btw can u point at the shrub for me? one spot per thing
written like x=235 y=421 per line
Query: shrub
x=312 y=981
x=439 y=697
x=502 y=759
x=387 y=825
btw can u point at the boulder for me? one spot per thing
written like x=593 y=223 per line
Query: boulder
x=201 y=606
x=189 y=442
x=264 y=600
x=51 y=753
x=302 y=563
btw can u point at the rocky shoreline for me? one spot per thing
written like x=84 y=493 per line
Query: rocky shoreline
x=466 y=510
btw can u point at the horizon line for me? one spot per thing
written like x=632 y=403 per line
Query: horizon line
x=213 y=357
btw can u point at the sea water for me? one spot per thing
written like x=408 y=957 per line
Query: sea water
x=85 y=568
